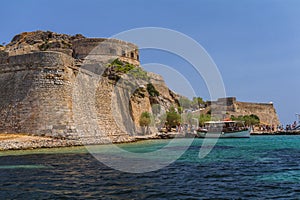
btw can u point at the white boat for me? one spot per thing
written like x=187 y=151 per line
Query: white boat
x=224 y=129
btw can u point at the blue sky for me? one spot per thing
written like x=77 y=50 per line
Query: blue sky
x=255 y=43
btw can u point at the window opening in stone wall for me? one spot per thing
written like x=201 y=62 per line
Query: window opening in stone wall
x=132 y=55
x=112 y=51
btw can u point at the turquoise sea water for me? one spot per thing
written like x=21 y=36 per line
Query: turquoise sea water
x=261 y=167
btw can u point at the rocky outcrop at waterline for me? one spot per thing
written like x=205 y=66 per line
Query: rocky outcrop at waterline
x=27 y=142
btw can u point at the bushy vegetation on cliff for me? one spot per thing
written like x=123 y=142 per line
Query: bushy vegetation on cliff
x=145 y=121
x=204 y=118
x=117 y=68
x=151 y=90
x=250 y=120
x=173 y=118
x=195 y=103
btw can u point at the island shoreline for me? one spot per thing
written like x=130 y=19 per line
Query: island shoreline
x=23 y=141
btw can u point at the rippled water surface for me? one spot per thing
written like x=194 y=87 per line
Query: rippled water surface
x=262 y=167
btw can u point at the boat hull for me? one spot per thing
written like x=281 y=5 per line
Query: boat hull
x=237 y=134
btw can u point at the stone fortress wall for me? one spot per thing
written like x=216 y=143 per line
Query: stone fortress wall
x=49 y=88
x=230 y=106
x=107 y=47
x=30 y=85
x=38 y=88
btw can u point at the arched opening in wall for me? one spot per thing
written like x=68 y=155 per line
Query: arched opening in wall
x=123 y=53
x=112 y=51
x=137 y=57
x=132 y=55
x=73 y=54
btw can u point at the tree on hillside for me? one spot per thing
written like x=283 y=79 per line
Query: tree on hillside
x=204 y=118
x=249 y=120
x=173 y=118
x=197 y=103
x=185 y=103
x=252 y=120
x=180 y=110
x=145 y=121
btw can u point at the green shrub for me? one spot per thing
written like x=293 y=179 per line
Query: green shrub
x=204 y=118
x=139 y=73
x=151 y=90
x=145 y=119
x=249 y=120
x=118 y=67
x=185 y=103
x=173 y=118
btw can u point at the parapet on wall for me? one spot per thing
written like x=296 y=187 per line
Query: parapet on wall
x=229 y=106
x=108 y=48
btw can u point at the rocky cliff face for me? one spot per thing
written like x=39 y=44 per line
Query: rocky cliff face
x=55 y=85
x=41 y=41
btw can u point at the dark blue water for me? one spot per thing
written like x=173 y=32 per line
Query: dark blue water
x=262 y=167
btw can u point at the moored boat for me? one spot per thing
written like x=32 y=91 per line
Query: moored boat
x=224 y=129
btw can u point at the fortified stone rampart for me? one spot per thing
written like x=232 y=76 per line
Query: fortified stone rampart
x=36 y=91
x=51 y=85
x=226 y=107
x=76 y=46
x=108 y=48
x=48 y=91
x=265 y=111
x=4 y=57
x=41 y=97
